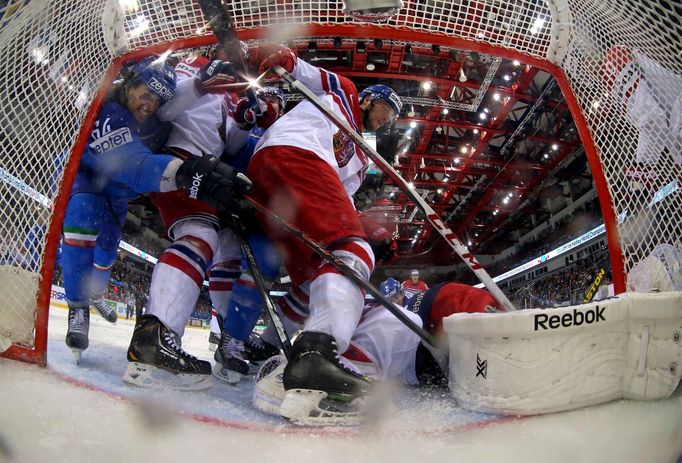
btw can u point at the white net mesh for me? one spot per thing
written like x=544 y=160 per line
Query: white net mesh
x=621 y=59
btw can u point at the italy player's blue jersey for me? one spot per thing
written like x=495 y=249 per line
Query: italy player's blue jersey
x=112 y=160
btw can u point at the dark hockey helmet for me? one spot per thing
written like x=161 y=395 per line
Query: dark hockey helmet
x=274 y=92
x=386 y=93
x=390 y=287
x=158 y=75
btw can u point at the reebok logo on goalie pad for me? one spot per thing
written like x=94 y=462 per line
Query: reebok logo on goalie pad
x=576 y=318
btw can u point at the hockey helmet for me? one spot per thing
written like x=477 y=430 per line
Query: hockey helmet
x=390 y=287
x=158 y=75
x=386 y=93
x=273 y=92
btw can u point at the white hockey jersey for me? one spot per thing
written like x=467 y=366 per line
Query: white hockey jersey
x=307 y=128
x=202 y=124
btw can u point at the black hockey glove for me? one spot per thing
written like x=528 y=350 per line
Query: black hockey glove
x=209 y=180
x=216 y=77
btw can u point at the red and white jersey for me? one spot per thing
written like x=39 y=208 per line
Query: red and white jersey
x=412 y=289
x=201 y=123
x=307 y=128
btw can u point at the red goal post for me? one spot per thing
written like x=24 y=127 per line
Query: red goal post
x=59 y=59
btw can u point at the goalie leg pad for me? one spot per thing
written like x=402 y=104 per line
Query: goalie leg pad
x=541 y=361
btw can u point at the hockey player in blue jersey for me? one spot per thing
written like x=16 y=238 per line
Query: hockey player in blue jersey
x=115 y=166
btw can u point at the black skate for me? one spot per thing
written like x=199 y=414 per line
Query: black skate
x=107 y=312
x=156 y=359
x=229 y=364
x=213 y=341
x=77 y=332
x=320 y=389
x=214 y=338
x=257 y=350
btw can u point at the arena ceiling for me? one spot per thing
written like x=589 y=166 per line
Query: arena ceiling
x=483 y=140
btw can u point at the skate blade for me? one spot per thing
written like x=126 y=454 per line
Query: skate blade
x=305 y=407
x=77 y=354
x=225 y=375
x=149 y=376
x=212 y=347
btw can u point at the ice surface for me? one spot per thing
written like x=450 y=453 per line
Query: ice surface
x=86 y=413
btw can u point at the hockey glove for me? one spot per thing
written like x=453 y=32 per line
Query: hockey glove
x=247 y=119
x=215 y=76
x=209 y=180
x=384 y=246
x=267 y=56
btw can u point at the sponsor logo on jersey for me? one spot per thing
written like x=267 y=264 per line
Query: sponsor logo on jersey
x=417 y=302
x=196 y=183
x=160 y=89
x=112 y=140
x=481 y=367
x=344 y=148
x=547 y=322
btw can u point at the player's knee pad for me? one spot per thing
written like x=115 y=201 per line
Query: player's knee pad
x=355 y=253
x=200 y=229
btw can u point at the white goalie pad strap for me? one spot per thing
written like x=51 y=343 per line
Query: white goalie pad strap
x=539 y=361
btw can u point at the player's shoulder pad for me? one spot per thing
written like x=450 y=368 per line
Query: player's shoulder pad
x=114 y=128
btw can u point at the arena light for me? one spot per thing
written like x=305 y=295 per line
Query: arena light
x=445 y=111
x=372 y=10
x=413 y=125
x=427 y=85
x=462 y=76
x=496 y=96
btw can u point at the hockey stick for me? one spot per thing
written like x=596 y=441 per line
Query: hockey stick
x=219 y=17
x=347 y=271
x=430 y=214
x=261 y=286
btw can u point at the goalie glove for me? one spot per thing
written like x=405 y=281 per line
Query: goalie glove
x=246 y=118
x=265 y=57
x=215 y=76
x=209 y=180
x=382 y=242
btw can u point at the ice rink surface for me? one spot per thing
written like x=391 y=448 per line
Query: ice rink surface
x=69 y=413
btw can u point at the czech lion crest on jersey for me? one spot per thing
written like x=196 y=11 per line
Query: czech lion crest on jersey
x=344 y=149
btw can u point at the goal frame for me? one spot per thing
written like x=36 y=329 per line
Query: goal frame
x=38 y=353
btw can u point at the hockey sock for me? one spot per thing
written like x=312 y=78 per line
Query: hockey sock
x=177 y=280
x=244 y=308
x=335 y=301
x=220 y=282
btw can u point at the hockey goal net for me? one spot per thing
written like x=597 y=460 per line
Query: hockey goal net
x=617 y=63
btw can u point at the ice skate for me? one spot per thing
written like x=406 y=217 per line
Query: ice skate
x=156 y=359
x=77 y=332
x=269 y=392
x=213 y=341
x=320 y=390
x=230 y=366
x=214 y=338
x=107 y=312
x=257 y=350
